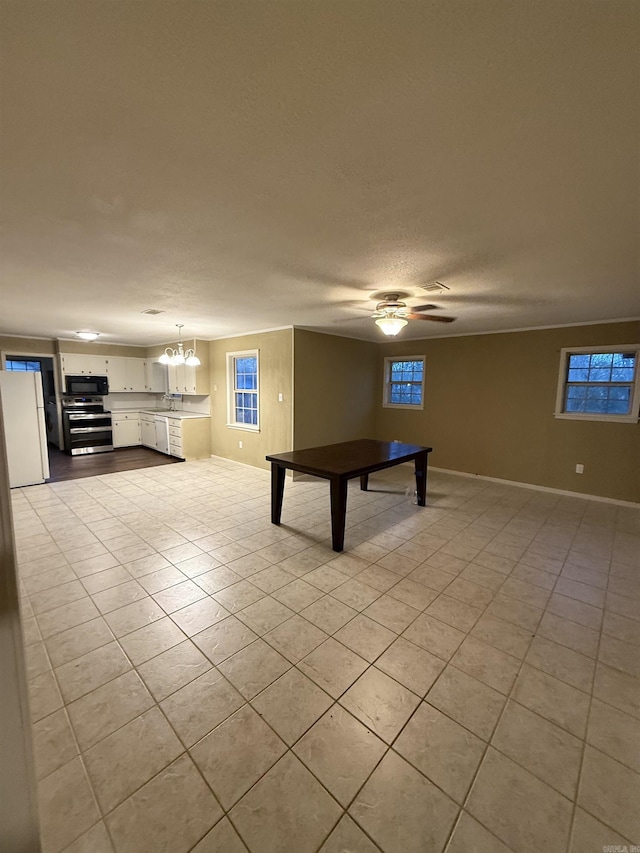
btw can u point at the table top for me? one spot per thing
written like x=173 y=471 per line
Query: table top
x=349 y=458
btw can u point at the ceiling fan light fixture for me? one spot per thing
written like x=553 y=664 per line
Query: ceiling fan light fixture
x=391 y=325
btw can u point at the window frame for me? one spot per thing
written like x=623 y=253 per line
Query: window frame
x=386 y=388
x=232 y=390
x=559 y=412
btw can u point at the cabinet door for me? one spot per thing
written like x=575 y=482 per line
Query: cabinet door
x=189 y=380
x=136 y=380
x=79 y=364
x=126 y=433
x=148 y=433
x=117 y=374
x=177 y=380
x=157 y=379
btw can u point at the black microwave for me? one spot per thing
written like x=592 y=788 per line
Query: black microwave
x=86 y=385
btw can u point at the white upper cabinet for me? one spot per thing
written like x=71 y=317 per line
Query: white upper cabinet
x=156 y=374
x=126 y=374
x=188 y=380
x=182 y=379
x=79 y=364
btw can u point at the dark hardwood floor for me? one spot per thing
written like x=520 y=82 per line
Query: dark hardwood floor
x=65 y=467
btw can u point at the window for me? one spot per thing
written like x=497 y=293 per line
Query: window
x=243 y=390
x=599 y=384
x=404 y=382
x=22 y=366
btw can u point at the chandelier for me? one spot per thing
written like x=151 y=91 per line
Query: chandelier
x=178 y=356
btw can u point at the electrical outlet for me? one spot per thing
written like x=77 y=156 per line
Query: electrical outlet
x=279 y=398
x=240 y=445
x=579 y=468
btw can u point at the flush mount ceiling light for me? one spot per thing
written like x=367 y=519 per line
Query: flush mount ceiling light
x=178 y=356
x=88 y=336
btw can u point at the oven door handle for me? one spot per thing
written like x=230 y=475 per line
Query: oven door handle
x=90 y=429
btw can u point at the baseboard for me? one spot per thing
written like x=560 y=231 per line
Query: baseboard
x=537 y=488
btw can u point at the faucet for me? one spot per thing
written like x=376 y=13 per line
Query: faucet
x=170 y=399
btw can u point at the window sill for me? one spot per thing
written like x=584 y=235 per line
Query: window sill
x=244 y=427
x=614 y=419
x=407 y=406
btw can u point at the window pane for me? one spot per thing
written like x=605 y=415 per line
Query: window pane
x=575 y=406
x=618 y=407
x=601 y=359
x=597 y=374
x=578 y=375
x=22 y=366
x=595 y=393
x=624 y=359
x=579 y=361
x=622 y=374
x=577 y=392
x=620 y=394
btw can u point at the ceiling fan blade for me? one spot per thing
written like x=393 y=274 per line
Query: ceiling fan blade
x=424 y=307
x=433 y=317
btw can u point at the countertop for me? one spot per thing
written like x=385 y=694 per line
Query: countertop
x=181 y=415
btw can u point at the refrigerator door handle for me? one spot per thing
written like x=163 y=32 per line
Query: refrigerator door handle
x=44 y=447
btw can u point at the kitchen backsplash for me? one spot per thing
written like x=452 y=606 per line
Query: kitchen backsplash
x=193 y=403
x=186 y=403
x=113 y=402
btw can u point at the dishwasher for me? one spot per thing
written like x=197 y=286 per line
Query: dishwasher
x=162 y=434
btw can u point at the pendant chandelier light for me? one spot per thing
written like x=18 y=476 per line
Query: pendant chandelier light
x=178 y=356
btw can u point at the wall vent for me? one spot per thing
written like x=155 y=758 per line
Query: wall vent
x=434 y=287
x=152 y=311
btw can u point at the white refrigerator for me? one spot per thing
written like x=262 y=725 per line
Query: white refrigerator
x=22 y=405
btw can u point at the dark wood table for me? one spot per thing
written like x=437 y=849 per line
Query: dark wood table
x=339 y=463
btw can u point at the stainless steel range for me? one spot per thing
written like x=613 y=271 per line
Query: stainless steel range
x=87 y=427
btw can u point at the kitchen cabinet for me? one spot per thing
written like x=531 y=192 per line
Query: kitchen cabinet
x=80 y=364
x=148 y=430
x=183 y=379
x=190 y=438
x=156 y=377
x=126 y=374
x=126 y=429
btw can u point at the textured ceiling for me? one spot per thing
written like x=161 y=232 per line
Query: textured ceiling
x=250 y=165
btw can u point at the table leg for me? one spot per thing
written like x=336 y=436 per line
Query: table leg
x=277 y=491
x=364 y=482
x=338 y=511
x=421 y=478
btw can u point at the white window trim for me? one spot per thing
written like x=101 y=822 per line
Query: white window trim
x=581 y=416
x=231 y=408
x=387 y=382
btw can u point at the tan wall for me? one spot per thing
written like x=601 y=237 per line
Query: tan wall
x=33 y=346
x=201 y=347
x=49 y=346
x=275 y=434
x=489 y=402
x=335 y=381
x=88 y=348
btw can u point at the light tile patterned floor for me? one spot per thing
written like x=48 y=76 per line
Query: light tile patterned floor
x=464 y=677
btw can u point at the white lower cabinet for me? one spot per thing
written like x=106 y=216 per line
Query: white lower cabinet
x=148 y=431
x=126 y=429
x=175 y=437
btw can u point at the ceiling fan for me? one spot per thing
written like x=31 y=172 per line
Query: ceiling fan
x=392 y=314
